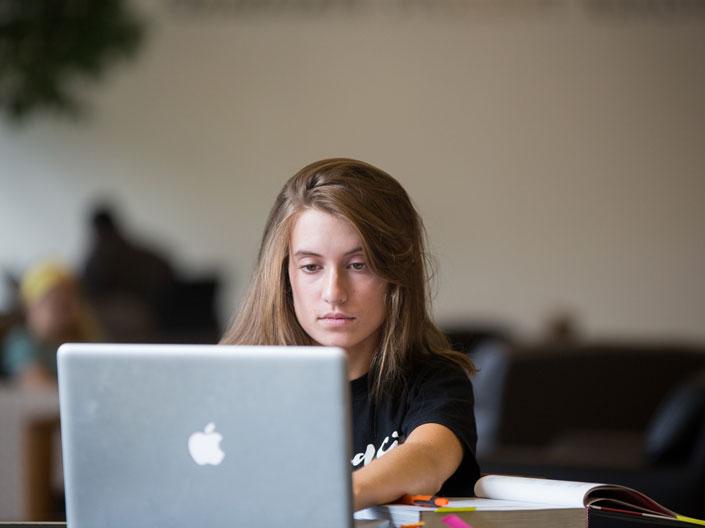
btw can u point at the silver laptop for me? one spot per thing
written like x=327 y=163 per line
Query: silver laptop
x=210 y=436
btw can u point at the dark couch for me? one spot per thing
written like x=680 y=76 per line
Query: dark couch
x=619 y=413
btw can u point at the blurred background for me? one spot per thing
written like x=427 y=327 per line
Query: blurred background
x=555 y=149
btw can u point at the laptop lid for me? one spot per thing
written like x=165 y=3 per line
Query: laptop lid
x=216 y=436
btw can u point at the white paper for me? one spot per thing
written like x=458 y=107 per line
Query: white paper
x=558 y=493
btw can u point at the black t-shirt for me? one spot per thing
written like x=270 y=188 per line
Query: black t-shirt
x=437 y=391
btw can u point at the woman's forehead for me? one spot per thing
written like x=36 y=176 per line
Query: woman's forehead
x=318 y=232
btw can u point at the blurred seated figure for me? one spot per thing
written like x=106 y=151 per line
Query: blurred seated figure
x=125 y=281
x=115 y=264
x=54 y=313
x=137 y=293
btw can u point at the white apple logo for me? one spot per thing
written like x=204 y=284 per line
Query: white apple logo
x=204 y=447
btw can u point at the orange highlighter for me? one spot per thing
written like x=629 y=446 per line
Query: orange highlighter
x=427 y=501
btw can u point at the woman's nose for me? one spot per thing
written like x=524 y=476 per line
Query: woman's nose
x=335 y=291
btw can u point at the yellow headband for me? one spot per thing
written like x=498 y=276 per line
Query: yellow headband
x=41 y=278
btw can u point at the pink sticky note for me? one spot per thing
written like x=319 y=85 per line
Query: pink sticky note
x=453 y=521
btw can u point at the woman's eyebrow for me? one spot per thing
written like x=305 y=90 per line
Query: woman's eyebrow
x=304 y=253
x=307 y=253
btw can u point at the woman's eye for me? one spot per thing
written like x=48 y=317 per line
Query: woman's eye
x=310 y=268
x=358 y=266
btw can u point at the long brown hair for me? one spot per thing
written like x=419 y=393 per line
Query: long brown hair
x=393 y=239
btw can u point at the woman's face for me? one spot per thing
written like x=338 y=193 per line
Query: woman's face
x=54 y=317
x=337 y=299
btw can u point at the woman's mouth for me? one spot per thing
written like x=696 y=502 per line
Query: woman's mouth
x=336 y=320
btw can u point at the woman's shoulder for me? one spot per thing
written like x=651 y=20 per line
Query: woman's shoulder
x=439 y=388
x=434 y=367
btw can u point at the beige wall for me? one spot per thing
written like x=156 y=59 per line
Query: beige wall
x=557 y=154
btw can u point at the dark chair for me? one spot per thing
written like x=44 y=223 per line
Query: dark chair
x=630 y=415
x=469 y=337
x=187 y=313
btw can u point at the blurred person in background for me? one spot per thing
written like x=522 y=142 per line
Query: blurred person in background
x=126 y=281
x=54 y=313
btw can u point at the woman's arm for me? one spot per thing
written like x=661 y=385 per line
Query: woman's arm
x=419 y=466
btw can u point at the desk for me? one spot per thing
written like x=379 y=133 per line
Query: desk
x=358 y=524
x=39 y=435
x=30 y=461
x=32 y=524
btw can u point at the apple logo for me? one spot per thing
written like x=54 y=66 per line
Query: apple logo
x=204 y=447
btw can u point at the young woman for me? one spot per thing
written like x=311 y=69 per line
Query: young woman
x=343 y=263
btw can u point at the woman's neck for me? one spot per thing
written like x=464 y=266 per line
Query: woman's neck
x=360 y=360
